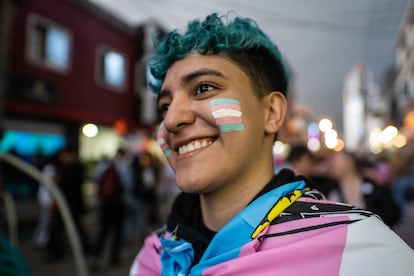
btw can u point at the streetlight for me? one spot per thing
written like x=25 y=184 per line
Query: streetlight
x=90 y=130
x=325 y=125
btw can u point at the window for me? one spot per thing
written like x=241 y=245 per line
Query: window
x=112 y=68
x=48 y=44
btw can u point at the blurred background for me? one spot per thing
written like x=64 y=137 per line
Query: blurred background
x=72 y=75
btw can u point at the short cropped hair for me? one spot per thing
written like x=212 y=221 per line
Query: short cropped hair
x=297 y=151
x=240 y=40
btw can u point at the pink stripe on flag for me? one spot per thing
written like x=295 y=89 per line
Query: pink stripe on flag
x=225 y=106
x=229 y=120
x=161 y=133
x=312 y=252
x=164 y=146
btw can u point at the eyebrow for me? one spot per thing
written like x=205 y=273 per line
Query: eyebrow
x=191 y=76
x=200 y=72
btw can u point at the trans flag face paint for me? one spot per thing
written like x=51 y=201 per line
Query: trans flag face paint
x=227 y=113
x=161 y=140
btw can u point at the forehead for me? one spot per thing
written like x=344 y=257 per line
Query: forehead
x=206 y=65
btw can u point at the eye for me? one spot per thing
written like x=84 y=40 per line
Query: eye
x=204 y=87
x=162 y=110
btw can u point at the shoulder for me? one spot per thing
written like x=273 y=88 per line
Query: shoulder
x=372 y=248
x=313 y=204
x=310 y=216
x=148 y=259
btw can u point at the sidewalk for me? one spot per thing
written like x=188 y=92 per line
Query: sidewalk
x=66 y=266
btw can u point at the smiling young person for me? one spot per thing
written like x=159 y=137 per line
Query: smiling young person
x=222 y=99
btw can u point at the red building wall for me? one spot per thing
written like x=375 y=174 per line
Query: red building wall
x=79 y=96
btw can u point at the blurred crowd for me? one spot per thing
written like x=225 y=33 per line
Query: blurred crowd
x=132 y=193
x=381 y=183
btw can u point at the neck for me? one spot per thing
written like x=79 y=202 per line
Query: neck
x=351 y=177
x=218 y=207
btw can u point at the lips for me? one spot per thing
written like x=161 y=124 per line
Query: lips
x=194 y=145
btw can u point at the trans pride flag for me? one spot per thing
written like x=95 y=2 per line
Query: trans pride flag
x=227 y=113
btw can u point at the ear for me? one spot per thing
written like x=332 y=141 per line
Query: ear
x=275 y=110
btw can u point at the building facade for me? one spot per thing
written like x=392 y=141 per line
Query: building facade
x=66 y=63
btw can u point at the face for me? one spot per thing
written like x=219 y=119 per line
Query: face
x=213 y=127
x=304 y=166
x=340 y=164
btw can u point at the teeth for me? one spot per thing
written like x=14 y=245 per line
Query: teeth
x=194 y=145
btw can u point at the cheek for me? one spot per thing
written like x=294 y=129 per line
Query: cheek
x=227 y=113
x=161 y=134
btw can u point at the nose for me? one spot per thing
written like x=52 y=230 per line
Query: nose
x=179 y=114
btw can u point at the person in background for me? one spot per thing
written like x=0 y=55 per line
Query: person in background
x=148 y=173
x=135 y=224
x=100 y=167
x=355 y=188
x=70 y=175
x=304 y=162
x=401 y=181
x=301 y=160
x=167 y=191
x=41 y=234
x=221 y=87
x=115 y=183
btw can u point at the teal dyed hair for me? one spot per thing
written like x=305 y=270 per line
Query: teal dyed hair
x=240 y=40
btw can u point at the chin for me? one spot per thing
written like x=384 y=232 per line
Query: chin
x=187 y=188
x=195 y=186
